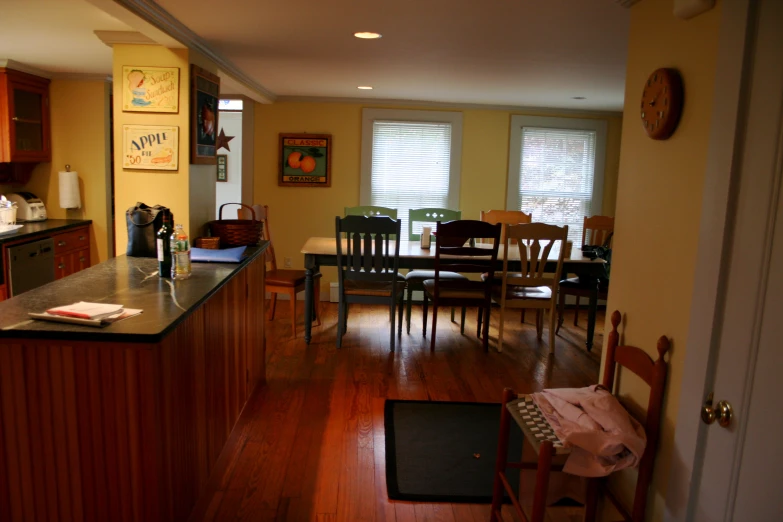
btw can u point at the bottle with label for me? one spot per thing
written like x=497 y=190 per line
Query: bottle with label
x=180 y=254
x=164 y=250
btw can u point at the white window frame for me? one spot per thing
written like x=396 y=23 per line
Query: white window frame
x=454 y=118
x=515 y=153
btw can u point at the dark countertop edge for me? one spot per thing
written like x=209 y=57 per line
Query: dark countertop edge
x=100 y=336
x=22 y=236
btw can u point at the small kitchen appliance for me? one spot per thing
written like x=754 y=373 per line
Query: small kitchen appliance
x=29 y=206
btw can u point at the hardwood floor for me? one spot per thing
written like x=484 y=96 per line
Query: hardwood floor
x=310 y=445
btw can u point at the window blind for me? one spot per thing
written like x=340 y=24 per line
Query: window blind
x=410 y=166
x=557 y=172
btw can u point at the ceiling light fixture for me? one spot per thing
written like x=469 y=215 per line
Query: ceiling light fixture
x=578 y=98
x=367 y=35
x=365 y=87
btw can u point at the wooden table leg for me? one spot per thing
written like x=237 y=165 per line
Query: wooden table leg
x=310 y=269
x=591 y=310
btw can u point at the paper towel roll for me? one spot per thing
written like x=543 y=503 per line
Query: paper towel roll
x=69 y=190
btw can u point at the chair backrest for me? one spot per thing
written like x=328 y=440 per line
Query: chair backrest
x=367 y=241
x=429 y=215
x=455 y=238
x=534 y=241
x=654 y=374
x=262 y=214
x=596 y=230
x=505 y=217
x=370 y=210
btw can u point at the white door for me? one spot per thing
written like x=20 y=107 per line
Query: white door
x=741 y=475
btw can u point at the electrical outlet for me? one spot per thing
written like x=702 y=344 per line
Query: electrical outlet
x=288 y=263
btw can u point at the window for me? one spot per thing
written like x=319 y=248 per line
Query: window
x=556 y=169
x=230 y=105
x=410 y=159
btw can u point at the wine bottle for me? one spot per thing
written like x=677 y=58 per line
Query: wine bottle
x=180 y=253
x=164 y=251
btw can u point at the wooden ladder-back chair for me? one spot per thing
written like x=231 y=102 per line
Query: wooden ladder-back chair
x=281 y=281
x=531 y=287
x=454 y=253
x=506 y=217
x=367 y=271
x=631 y=358
x=597 y=230
x=415 y=278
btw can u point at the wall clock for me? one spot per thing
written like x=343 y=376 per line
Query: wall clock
x=662 y=99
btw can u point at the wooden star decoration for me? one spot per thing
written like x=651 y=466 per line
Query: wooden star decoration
x=222 y=140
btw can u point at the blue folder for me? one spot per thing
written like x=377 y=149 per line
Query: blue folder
x=211 y=255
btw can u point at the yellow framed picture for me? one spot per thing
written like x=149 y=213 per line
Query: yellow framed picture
x=150 y=147
x=150 y=89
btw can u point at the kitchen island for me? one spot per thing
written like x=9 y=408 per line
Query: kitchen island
x=126 y=422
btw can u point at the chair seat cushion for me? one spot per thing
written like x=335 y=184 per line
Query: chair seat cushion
x=476 y=292
x=374 y=288
x=421 y=275
x=287 y=277
x=523 y=292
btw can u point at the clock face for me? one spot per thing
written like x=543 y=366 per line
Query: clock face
x=661 y=103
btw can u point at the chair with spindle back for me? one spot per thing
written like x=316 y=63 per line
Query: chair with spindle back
x=454 y=252
x=281 y=281
x=415 y=278
x=631 y=358
x=371 y=211
x=367 y=267
x=597 y=230
x=531 y=288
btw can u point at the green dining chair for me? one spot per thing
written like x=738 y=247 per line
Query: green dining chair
x=370 y=211
x=415 y=278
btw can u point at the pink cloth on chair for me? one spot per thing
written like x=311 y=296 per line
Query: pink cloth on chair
x=602 y=435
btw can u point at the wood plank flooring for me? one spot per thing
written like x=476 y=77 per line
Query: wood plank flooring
x=309 y=446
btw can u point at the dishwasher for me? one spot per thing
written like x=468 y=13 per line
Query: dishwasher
x=30 y=265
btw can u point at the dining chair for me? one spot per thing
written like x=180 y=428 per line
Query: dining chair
x=281 y=281
x=368 y=269
x=532 y=287
x=370 y=210
x=415 y=278
x=455 y=252
x=597 y=230
x=528 y=417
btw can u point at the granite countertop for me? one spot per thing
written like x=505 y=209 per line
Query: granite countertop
x=43 y=228
x=130 y=281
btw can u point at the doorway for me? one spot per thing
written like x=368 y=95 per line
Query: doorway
x=228 y=187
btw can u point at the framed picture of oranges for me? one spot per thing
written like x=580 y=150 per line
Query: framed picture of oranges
x=204 y=116
x=305 y=160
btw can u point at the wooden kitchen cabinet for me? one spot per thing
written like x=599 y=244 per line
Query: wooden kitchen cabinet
x=25 y=135
x=72 y=252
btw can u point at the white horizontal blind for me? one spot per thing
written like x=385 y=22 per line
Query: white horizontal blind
x=556 y=176
x=410 y=166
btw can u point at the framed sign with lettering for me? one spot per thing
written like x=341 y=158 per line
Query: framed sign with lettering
x=150 y=147
x=150 y=89
x=305 y=160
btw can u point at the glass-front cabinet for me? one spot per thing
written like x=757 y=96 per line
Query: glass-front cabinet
x=24 y=117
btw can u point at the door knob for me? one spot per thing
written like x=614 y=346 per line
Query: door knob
x=721 y=412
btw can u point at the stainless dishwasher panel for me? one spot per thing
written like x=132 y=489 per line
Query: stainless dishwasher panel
x=30 y=265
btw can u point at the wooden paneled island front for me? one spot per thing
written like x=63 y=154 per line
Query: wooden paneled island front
x=126 y=422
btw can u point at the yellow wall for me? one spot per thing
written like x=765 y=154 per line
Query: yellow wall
x=79 y=116
x=659 y=202
x=169 y=188
x=298 y=213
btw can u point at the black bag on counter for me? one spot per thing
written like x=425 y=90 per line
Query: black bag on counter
x=143 y=224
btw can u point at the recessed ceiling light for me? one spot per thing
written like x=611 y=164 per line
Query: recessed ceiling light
x=367 y=35
x=365 y=87
x=578 y=98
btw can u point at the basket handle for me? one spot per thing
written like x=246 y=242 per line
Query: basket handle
x=220 y=211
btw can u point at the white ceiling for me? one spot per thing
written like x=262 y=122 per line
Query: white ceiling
x=527 y=53
x=502 y=52
x=56 y=35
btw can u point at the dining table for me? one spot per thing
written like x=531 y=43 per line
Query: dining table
x=322 y=251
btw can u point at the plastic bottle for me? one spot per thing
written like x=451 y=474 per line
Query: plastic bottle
x=164 y=248
x=180 y=254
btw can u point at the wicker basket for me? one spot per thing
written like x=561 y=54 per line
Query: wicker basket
x=212 y=243
x=236 y=232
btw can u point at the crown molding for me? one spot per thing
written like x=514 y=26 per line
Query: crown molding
x=155 y=15
x=29 y=69
x=372 y=102
x=112 y=38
